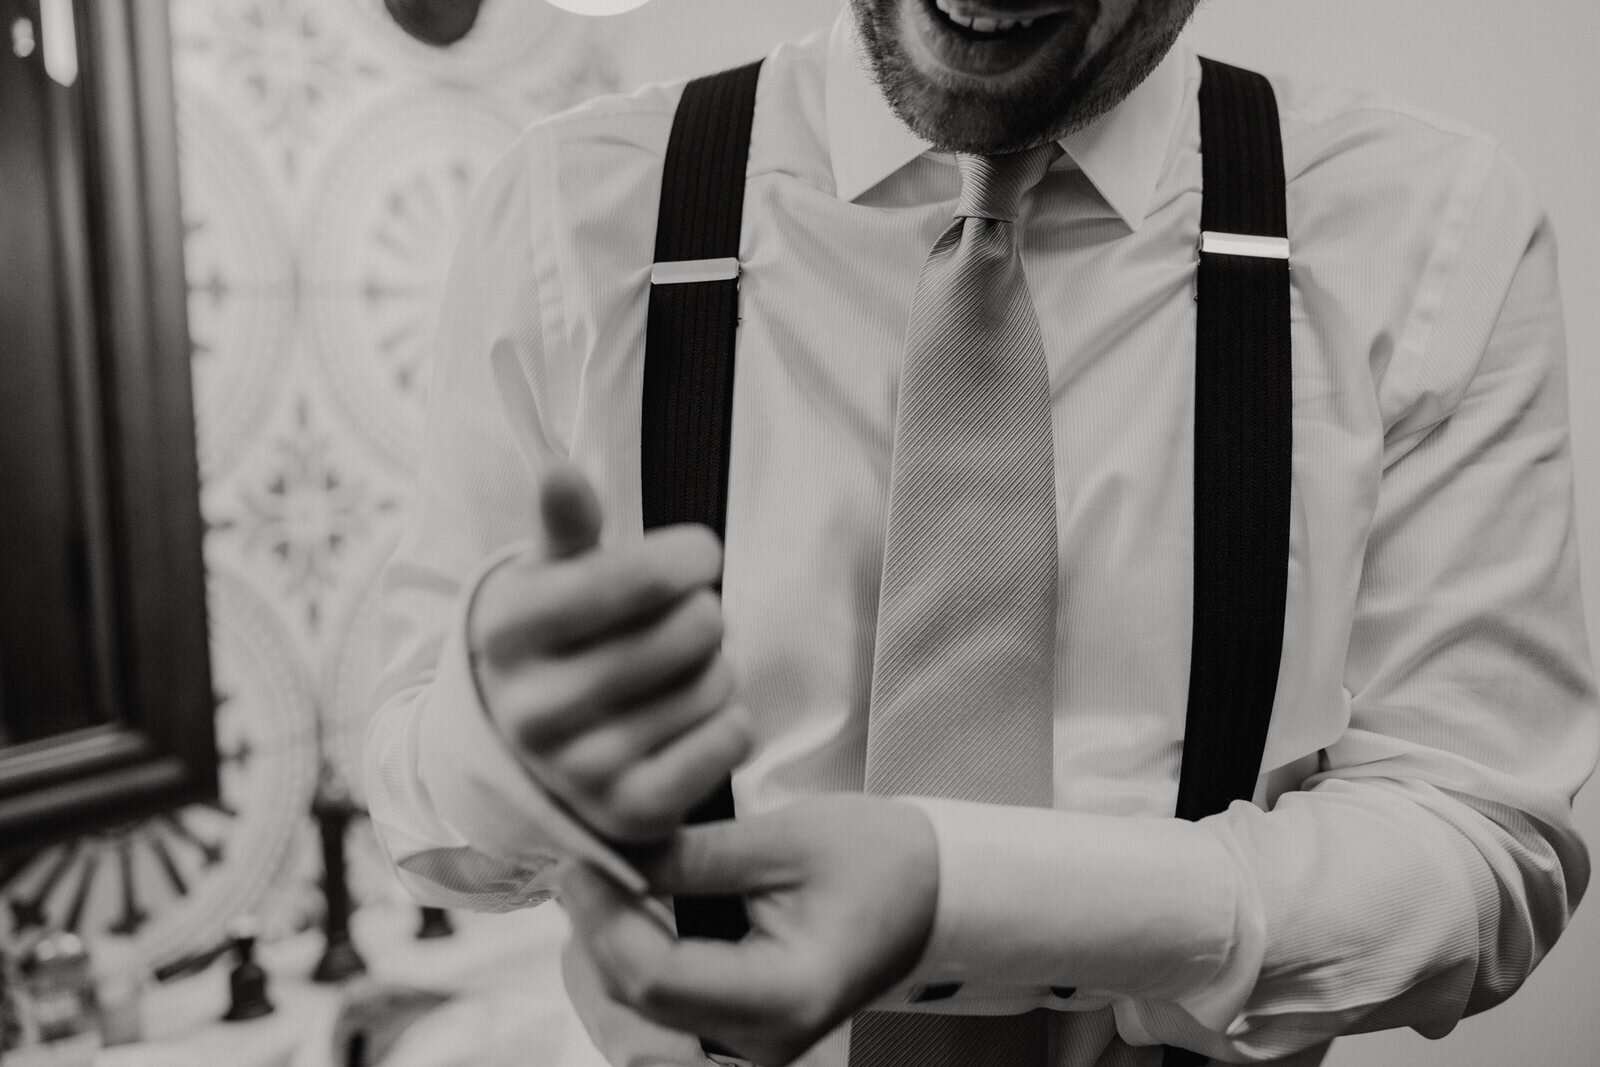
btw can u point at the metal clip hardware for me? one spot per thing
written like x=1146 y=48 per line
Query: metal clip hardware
x=1241 y=244
x=687 y=271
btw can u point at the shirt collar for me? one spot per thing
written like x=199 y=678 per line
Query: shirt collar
x=1121 y=153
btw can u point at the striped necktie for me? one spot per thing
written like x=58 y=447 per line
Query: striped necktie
x=962 y=672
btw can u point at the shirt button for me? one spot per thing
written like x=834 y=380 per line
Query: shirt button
x=1064 y=991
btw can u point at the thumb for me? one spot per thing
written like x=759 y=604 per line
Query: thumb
x=571 y=512
x=732 y=857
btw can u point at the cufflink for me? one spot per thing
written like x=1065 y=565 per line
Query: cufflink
x=942 y=991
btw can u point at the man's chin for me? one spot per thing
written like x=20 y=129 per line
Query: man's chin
x=968 y=93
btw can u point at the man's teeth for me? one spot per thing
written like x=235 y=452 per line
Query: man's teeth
x=980 y=23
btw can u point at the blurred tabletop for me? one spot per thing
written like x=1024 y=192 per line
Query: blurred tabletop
x=501 y=972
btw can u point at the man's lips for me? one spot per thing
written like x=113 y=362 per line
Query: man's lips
x=974 y=40
x=978 y=20
x=987 y=18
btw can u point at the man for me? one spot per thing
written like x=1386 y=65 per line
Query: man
x=557 y=671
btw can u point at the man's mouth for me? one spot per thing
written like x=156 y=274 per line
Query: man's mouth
x=971 y=38
x=987 y=25
x=980 y=22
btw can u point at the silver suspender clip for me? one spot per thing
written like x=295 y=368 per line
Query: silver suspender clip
x=1241 y=244
x=686 y=271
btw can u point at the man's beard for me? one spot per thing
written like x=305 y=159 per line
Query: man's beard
x=1051 y=100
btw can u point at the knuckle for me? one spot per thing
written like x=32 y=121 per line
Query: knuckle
x=509 y=619
x=497 y=645
x=701 y=540
x=648 y=587
x=615 y=973
x=611 y=982
x=518 y=709
x=701 y=618
x=485 y=618
x=635 y=978
x=735 y=738
x=534 y=736
x=574 y=686
x=593 y=762
x=645 y=991
x=490 y=629
x=583 y=777
x=640 y=575
x=690 y=552
x=635 y=811
x=715 y=686
x=538 y=734
x=497 y=592
x=528 y=706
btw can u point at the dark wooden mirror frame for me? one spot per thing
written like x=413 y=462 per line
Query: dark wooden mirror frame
x=115 y=275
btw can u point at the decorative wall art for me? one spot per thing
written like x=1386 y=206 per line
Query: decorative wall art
x=326 y=159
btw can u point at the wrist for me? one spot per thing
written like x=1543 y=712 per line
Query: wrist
x=1035 y=898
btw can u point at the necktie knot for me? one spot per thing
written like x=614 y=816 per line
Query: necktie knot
x=992 y=186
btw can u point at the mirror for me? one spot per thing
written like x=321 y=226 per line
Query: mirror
x=105 y=691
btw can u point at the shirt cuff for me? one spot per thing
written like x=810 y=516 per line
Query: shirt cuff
x=478 y=785
x=1112 y=907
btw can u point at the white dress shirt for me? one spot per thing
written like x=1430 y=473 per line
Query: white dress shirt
x=1410 y=854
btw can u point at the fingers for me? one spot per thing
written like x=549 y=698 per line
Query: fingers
x=623 y=1035
x=535 y=608
x=726 y=991
x=630 y=754
x=841 y=894
x=672 y=659
x=624 y=735
x=599 y=747
x=650 y=797
x=603 y=667
x=571 y=512
x=734 y=857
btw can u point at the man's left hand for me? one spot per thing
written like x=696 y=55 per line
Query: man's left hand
x=841 y=893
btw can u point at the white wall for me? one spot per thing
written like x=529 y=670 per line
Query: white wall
x=1528 y=72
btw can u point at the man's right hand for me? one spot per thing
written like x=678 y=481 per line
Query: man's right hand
x=603 y=667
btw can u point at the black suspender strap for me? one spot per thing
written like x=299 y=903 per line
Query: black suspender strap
x=1243 y=408
x=694 y=303
x=689 y=348
x=1243 y=448
x=1243 y=442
